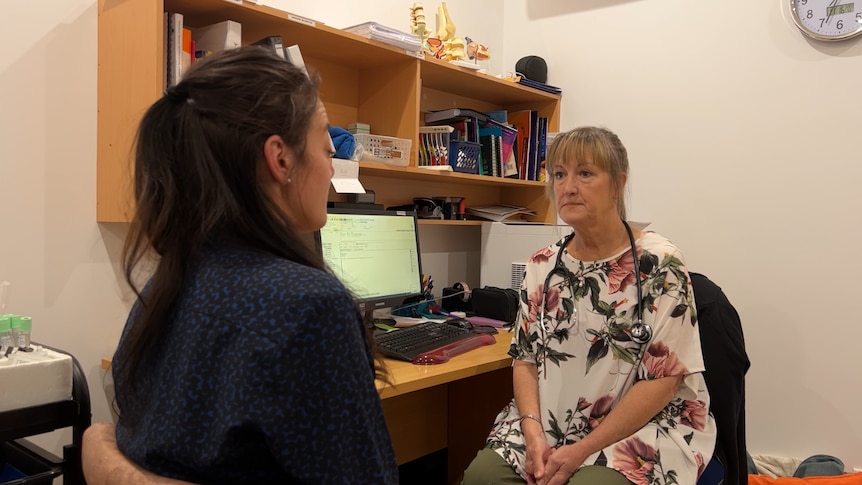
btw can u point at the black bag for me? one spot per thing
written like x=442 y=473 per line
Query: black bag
x=497 y=303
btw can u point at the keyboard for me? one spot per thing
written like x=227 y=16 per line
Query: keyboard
x=430 y=342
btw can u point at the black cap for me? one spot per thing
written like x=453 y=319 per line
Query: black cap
x=533 y=68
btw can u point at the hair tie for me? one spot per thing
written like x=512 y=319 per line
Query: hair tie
x=177 y=97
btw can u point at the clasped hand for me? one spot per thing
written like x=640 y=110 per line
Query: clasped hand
x=552 y=466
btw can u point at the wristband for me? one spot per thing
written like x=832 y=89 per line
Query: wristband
x=533 y=417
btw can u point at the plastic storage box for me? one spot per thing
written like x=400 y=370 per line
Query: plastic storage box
x=464 y=156
x=51 y=370
x=387 y=149
x=387 y=35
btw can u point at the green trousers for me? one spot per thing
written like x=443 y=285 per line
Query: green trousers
x=489 y=468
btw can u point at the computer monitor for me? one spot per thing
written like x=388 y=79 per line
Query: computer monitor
x=375 y=253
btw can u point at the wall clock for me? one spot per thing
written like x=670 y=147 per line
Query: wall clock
x=828 y=20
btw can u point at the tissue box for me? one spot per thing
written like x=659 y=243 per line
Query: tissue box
x=33 y=378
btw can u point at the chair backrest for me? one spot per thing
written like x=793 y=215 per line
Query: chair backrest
x=726 y=363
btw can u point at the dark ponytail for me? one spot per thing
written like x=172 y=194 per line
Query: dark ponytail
x=197 y=154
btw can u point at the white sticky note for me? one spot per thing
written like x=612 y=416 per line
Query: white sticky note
x=346 y=177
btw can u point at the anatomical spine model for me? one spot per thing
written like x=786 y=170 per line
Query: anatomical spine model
x=418 y=26
x=445 y=45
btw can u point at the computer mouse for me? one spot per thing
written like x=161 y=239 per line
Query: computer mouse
x=484 y=329
x=460 y=323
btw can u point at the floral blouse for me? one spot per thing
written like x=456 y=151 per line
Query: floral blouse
x=582 y=347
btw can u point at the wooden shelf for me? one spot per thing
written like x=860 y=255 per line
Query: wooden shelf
x=444 y=76
x=416 y=173
x=439 y=222
x=316 y=39
x=363 y=80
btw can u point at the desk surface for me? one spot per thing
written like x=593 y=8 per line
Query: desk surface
x=407 y=377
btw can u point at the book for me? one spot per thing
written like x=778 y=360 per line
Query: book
x=500 y=212
x=294 y=55
x=540 y=86
x=463 y=130
x=520 y=120
x=543 y=147
x=497 y=155
x=166 y=49
x=173 y=48
x=485 y=146
x=500 y=115
x=272 y=42
x=532 y=153
x=201 y=54
x=187 y=52
x=510 y=168
x=218 y=37
x=387 y=35
x=507 y=146
x=454 y=114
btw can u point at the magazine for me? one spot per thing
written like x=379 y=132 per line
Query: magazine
x=499 y=213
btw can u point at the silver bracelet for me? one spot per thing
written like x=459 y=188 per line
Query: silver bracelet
x=533 y=417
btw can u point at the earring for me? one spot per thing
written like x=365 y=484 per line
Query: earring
x=284 y=161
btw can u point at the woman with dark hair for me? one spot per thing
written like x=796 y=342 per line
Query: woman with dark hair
x=243 y=360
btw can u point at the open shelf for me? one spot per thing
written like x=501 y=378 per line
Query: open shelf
x=416 y=173
x=362 y=80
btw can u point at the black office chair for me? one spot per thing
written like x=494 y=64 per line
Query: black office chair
x=726 y=362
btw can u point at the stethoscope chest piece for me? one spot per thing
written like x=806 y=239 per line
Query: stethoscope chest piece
x=641 y=333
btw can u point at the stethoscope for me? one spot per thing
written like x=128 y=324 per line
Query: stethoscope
x=640 y=332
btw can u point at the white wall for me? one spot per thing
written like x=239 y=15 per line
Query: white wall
x=744 y=142
x=741 y=137
x=64 y=267
x=60 y=262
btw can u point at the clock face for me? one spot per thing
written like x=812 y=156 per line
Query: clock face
x=828 y=19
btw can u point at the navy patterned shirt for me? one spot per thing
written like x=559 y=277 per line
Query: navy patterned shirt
x=264 y=375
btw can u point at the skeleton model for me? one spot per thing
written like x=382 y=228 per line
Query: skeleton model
x=446 y=45
x=417 y=24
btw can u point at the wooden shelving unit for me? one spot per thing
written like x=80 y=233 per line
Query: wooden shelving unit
x=363 y=81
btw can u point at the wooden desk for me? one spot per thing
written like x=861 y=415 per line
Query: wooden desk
x=452 y=405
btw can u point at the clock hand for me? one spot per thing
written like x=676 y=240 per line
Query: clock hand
x=833 y=3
